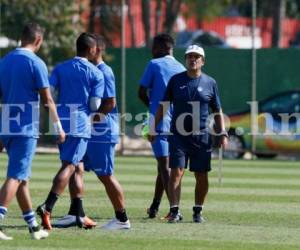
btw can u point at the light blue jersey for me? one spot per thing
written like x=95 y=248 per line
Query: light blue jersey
x=77 y=80
x=108 y=129
x=155 y=78
x=22 y=74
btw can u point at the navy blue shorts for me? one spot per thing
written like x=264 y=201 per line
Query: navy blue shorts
x=192 y=150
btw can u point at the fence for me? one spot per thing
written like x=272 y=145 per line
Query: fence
x=277 y=70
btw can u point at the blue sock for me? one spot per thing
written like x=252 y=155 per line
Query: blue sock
x=3 y=211
x=29 y=217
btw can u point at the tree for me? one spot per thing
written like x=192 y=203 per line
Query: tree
x=105 y=19
x=279 y=7
x=146 y=21
x=60 y=19
x=209 y=9
x=172 y=10
x=131 y=23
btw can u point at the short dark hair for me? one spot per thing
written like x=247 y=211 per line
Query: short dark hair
x=100 y=41
x=85 y=41
x=162 y=43
x=30 y=32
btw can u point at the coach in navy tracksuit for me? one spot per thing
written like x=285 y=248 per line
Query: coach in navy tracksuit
x=193 y=94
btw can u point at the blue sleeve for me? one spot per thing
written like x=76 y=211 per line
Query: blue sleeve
x=54 y=78
x=215 y=103
x=97 y=87
x=148 y=76
x=41 y=75
x=110 y=87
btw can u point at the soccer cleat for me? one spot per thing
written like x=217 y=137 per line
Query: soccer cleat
x=175 y=217
x=152 y=212
x=115 y=224
x=3 y=236
x=166 y=217
x=37 y=233
x=65 y=222
x=86 y=222
x=197 y=218
x=45 y=217
x=197 y=215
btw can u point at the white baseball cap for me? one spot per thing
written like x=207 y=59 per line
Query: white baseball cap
x=195 y=49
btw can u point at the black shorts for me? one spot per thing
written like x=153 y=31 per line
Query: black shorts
x=195 y=150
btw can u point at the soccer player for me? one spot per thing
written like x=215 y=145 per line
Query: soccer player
x=151 y=91
x=192 y=94
x=101 y=151
x=78 y=83
x=23 y=78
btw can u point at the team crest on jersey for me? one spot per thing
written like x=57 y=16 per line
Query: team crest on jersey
x=200 y=89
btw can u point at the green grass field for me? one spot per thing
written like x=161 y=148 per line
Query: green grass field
x=256 y=207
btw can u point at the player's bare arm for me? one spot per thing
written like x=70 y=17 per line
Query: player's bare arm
x=161 y=111
x=49 y=103
x=143 y=95
x=107 y=105
x=220 y=128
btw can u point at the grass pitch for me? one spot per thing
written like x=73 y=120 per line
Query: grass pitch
x=256 y=207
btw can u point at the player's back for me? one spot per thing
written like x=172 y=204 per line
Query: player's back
x=17 y=76
x=155 y=78
x=164 y=68
x=22 y=74
x=76 y=81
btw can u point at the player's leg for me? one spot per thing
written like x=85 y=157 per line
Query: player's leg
x=21 y=151
x=76 y=215
x=175 y=193
x=24 y=201
x=116 y=195
x=114 y=191
x=15 y=152
x=161 y=151
x=7 y=193
x=200 y=165
x=71 y=153
x=178 y=162
x=101 y=159
x=158 y=193
x=201 y=187
x=76 y=189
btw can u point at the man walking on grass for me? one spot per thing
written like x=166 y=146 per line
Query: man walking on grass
x=101 y=151
x=193 y=95
x=23 y=78
x=78 y=82
x=151 y=91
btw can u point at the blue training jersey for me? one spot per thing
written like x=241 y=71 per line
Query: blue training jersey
x=107 y=130
x=202 y=92
x=22 y=74
x=155 y=78
x=77 y=80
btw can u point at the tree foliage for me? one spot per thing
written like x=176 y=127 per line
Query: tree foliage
x=60 y=19
x=105 y=18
